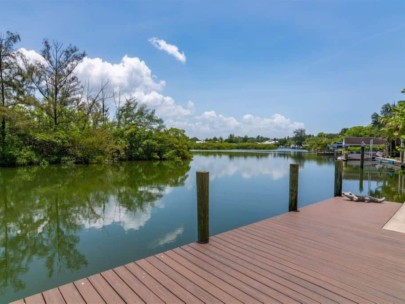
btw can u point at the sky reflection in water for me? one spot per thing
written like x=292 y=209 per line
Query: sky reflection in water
x=58 y=224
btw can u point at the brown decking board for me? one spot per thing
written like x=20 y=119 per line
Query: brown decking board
x=330 y=252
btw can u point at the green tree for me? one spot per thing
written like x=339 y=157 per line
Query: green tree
x=394 y=125
x=387 y=110
x=378 y=120
x=47 y=116
x=9 y=80
x=360 y=131
x=231 y=139
x=375 y=120
x=144 y=136
x=133 y=114
x=55 y=79
x=299 y=136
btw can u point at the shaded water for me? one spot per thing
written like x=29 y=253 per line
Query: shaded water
x=58 y=224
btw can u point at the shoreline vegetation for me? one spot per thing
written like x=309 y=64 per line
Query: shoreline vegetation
x=232 y=146
x=49 y=117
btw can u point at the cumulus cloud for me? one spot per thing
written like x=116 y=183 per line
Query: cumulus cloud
x=210 y=124
x=131 y=77
x=168 y=48
x=277 y=123
x=165 y=106
x=31 y=56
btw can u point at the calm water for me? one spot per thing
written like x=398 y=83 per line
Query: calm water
x=58 y=224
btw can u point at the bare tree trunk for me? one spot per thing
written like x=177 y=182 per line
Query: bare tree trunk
x=3 y=102
x=55 y=103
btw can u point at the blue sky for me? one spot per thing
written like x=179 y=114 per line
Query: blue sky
x=251 y=67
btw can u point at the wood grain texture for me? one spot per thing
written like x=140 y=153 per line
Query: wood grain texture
x=330 y=252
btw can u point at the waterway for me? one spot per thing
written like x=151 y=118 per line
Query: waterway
x=62 y=223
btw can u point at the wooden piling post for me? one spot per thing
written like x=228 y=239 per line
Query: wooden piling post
x=361 y=180
x=338 y=177
x=203 y=206
x=362 y=157
x=293 y=206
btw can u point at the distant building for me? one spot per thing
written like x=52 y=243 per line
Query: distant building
x=359 y=141
x=336 y=146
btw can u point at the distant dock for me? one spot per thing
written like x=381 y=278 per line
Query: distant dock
x=334 y=251
x=390 y=161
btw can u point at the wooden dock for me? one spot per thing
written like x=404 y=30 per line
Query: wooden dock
x=330 y=252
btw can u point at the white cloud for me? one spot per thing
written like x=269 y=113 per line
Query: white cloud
x=131 y=77
x=169 y=237
x=168 y=48
x=32 y=56
x=276 y=124
x=210 y=124
x=247 y=168
x=165 y=105
x=112 y=213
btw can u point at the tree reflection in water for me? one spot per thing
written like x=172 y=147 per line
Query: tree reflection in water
x=43 y=209
x=56 y=220
x=388 y=182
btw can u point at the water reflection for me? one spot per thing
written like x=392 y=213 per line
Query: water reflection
x=248 y=165
x=168 y=237
x=377 y=180
x=43 y=210
x=59 y=224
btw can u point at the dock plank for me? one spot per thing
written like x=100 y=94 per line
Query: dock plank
x=227 y=274
x=18 y=302
x=368 y=277
x=161 y=291
x=181 y=292
x=334 y=251
x=304 y=277
x=126 y=293
x=53 y=296
x=272 y=288
x=193 y=277
x=137 y=286
x=201 y=271
x=260 y=265
x=71 y=294
x=362 y=264
x=187 y=283
x=105 y=290
x=35 y=299
x=88 y=292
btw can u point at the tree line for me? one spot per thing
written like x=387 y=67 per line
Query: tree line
x=49 y=117
x=389 y=123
